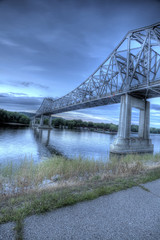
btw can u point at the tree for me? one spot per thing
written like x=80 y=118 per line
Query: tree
x=134 y=128
x=57 y=122
x=90 y=124
x=113 y=128
x=13 y=117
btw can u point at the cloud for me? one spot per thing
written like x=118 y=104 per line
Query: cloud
x=106 y=114
x=28 y=84
x=155 y=107
x=12 y=102
x=34 y=68
x=16 y=94
x=8 y=42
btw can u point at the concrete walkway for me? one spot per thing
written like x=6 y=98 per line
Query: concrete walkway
x=130 y=214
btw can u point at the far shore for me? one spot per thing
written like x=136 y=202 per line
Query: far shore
x=75 y=128
x=14 y=124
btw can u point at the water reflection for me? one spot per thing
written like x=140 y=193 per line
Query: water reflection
x=17 y=143
x=38 y=133
x=79 y=143
x=82 y=143
x=20 y=143
x=43 y=136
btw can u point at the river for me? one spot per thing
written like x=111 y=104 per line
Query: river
x=18 y=143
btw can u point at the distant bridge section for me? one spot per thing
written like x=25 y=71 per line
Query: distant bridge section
x=133 y=68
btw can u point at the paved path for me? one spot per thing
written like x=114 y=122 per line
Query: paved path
x=130 y=214
x=7 y=231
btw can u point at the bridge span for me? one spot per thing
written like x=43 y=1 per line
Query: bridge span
x=130 y=75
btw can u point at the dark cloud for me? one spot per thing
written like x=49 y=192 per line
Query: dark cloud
x=16 y=94
x=28 y=84
x=2 y=95
x=20 y=103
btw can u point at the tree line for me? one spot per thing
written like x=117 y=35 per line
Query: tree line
x=71 y=124
x=110 y=127
x=13 y=117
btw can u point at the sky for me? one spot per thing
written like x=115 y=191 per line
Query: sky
x=49 y=47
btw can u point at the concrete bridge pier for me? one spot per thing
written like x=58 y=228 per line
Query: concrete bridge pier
x=40 y=134
x=124 y=143
x=50 y=121
x=42 y=124
x=48 y=137
x=33 y=122
x=41 y=120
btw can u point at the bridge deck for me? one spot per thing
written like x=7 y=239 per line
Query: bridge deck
x=143 y=92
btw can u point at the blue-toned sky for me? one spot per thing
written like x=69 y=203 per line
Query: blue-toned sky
x=48 y=47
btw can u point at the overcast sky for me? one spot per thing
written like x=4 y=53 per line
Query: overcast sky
x=49 y=47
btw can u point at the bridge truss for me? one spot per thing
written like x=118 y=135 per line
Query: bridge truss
x=133 y=67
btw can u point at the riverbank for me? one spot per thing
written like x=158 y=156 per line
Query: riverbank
x=36 y=188
x=26 y=175
x=14 y=124
x=101 y=131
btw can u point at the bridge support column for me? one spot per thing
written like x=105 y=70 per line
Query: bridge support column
x=41 y=120
x=32 y=123
x=42 y=123
x=124 y=143
x=48 y=137
x=50 y=121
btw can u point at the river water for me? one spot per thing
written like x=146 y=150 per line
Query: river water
x=18 y=143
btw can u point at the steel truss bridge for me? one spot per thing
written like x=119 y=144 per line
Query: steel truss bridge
x=133 y=67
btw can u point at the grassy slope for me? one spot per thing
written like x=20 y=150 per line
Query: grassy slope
x=79 y=180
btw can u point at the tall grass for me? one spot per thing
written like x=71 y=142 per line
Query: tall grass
x=27 y=175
